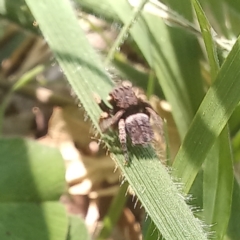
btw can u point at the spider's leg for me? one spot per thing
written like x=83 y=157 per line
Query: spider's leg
x=106 y=121
x=123 y=139
x=117 y=116
x=102 y=104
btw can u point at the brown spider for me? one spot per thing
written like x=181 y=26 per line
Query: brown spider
x=130 y=114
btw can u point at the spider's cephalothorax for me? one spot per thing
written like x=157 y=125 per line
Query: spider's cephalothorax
x=130 y=114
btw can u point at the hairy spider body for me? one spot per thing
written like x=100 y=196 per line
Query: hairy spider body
x=139 y=129
x=129 y=114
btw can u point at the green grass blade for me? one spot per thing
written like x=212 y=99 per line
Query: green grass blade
x=233 y=228
x=212 y=116
x=84 y=67
x=38 y=221
x=218 y=170
x=218 y=186
x=206 y=30
x=234 y=123
x=32 y=181
x=84 y=71
x=29 y=172
x=150 y=231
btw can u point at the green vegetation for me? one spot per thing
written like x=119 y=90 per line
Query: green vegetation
x=185 y=63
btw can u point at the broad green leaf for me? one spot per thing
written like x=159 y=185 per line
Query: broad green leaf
x=77 y=229
x=30 y=171
x=84 y=71
x=31 y=175
x=38 y=221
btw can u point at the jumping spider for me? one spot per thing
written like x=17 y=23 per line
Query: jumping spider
x=130 y=114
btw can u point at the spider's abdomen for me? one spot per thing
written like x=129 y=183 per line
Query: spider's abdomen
x=123 y=97
x=139 y=129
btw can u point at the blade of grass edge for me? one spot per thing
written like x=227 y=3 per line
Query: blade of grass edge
x=84 y=71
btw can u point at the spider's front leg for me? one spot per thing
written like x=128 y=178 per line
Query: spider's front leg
x=106 y=121
x=102 y=104
x=123 y=139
